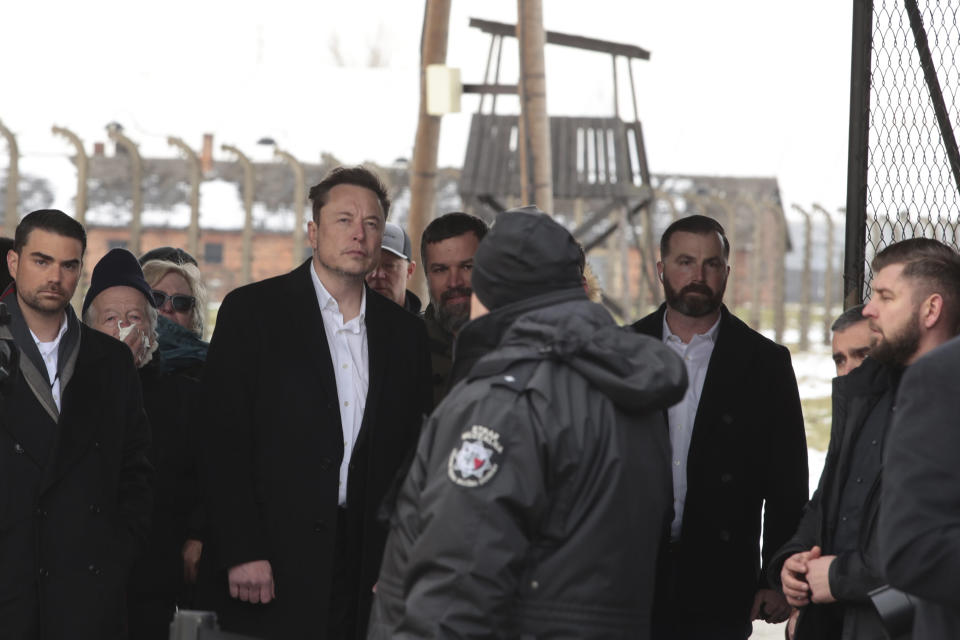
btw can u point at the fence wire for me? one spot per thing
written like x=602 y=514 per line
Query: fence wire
x=911 y=190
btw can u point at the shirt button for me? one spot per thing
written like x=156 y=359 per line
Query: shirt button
x=843 y=518
x=859 y=480
x=346 y=403
x=873 y=442
x=676 y=462
x=345 y=365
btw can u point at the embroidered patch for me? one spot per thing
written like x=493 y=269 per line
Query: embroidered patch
x=475 y=461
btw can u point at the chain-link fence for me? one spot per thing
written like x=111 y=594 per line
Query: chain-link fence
x=905 y=98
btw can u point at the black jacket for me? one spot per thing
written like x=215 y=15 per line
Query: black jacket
x=919 y=528
x=854 y=573
x=541 y=485
x=274 y=443
x=74 y=508
x=748 y=453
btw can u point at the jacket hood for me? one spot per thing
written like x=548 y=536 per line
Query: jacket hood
x=635 y=371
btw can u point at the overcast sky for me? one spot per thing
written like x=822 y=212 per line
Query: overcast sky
x=742 y=87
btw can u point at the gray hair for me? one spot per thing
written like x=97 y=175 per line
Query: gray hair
x=89 y=319
x=848 y=318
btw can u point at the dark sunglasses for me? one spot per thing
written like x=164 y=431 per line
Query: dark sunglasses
x=179 y=301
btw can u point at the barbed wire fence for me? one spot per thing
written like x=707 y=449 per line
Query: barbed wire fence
x=904 y=166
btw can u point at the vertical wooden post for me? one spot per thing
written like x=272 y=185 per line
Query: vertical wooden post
x=115 y=132
x=299 y=202
x=535 y=127
x=193 y=231
x=11 y=216
x=83 y=163
x=247 y=257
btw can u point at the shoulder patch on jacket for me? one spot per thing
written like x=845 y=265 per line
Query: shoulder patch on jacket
x=476 y=459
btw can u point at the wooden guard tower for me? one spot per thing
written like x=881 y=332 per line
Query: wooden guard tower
x=599 y=163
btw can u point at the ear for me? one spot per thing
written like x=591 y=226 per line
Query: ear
x=13 y=261
x=312 y=233
x=410 y=269
x=660 y=270
x=930 y=310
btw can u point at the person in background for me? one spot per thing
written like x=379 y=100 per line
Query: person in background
x=739 y=448
x=851 y=340
x=395 y=269
x=446 y=248
x=830 y=565
x=119 y=301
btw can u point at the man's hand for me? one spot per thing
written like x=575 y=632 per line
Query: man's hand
x=793 y=577
x=252 y=582
x=136 y=339
x=191 y=560
x=818 y=577
x=770 y=606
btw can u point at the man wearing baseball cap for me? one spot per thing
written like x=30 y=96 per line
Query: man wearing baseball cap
x=395 y=269
x=541 y=483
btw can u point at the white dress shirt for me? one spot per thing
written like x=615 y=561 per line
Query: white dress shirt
x=351 y=367
x=50 y=352
x=681 y=416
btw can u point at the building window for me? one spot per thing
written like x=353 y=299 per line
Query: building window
x=213 y=252
x=116 y=244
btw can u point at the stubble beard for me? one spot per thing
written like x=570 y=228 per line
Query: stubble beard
x=451 y=317
x=44 y=307
x=343 y=273
x=689 y=303
x=900 y=347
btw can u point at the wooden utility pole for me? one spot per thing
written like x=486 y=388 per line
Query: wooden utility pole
x=193 y=231
x=827 y=276
x=10 y=215
x=247 y=256
x=299 y=202
x=82 y=162
x=423 y=169
x=115 y=132
x=535 y=161
x=806 y=282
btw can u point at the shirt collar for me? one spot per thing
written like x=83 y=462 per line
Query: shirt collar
x=329 y=303
x=56 y=341
x=710 y=335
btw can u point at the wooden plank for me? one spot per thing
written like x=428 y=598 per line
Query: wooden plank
x=565 y=40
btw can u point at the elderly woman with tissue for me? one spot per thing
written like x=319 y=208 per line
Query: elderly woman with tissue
x=120 y=303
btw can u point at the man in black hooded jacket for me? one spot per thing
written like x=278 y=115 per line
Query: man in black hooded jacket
x=541 y=483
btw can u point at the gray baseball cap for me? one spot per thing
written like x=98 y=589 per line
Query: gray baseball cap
x=396 y=240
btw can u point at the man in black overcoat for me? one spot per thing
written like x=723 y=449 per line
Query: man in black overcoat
x=75 y=496
x=315 y=389
x=738 y=445
x=919 y=526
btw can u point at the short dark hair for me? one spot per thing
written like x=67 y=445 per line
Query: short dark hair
x=450 y=225
x=698 y=224
x=52 y=220
x=848 y=318
x=934 y=265
x=358 y=176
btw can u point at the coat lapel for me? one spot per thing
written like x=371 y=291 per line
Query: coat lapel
x=378 y=341
x=80 y=413
x=303 y=300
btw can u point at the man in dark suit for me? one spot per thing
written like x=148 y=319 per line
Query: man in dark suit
x=75 y=497
x=738 y=444
x=315 y=389
x=919 y=526
x=830 y=565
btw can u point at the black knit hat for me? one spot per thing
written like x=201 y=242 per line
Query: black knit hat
x=119 y=268
x=526 y=254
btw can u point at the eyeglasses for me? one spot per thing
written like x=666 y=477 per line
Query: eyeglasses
x=179 y=301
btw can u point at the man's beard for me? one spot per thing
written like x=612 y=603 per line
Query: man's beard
x=687 y=302
x=899 y=347
x=45 y=306
x=453 y=316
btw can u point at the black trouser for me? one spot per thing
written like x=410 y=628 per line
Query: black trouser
x=671 y=619
x=342 y=615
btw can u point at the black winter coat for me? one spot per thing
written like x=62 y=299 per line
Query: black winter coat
x=75 y=514
x=854 y=573
x=541 y=485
